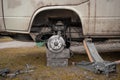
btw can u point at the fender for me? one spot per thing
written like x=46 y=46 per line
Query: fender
x=51 y=8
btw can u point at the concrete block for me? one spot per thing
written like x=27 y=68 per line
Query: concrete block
x=64 y=54
x=57 y=62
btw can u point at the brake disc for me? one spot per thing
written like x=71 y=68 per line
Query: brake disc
x=56 y=44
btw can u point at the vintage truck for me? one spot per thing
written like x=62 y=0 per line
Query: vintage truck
x=93 y=18
x=61 y=21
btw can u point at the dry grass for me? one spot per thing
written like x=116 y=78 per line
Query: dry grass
x=5 y=39
x=17 y=58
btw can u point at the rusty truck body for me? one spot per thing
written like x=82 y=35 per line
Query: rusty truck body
x=95 y=18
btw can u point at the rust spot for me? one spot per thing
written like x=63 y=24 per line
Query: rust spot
x=14 y=4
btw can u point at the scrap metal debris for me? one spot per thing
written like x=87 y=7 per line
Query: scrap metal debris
x=8 y=73
x=4 y=72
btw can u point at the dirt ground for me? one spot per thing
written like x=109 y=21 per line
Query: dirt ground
x=17 y=58
x=8 y=42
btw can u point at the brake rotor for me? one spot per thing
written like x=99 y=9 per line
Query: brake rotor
x=56 y=44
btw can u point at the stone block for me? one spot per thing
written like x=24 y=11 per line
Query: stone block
x=64 y=54
x=57 y=62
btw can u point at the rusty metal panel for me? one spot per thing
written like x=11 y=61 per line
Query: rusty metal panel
x=1 y=18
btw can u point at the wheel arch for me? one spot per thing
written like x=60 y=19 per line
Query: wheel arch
x=52 y=8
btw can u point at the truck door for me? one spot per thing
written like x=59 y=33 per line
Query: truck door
x=17 y=14
x=107 y=17
x=1 y=17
